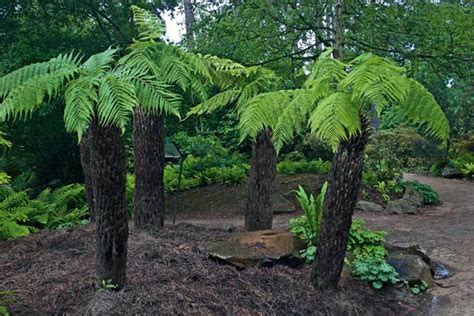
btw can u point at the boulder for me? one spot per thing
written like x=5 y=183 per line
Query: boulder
x=451 y=173
x=281 y=205
x=367 y=206
x=411 y=268
x=413 y=195
x=402 y=206
x=259 y=249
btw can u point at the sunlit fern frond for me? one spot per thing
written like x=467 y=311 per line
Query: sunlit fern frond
x=80 y=97
x=117 y=99
x=215 y=102
x=101 y=62
x=157 y=97
x=335 y=118
x=149 y=25
x=326 y=69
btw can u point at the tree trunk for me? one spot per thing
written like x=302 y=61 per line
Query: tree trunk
x=189 y=23
x=149 y=153
x=339 y=30
x=341 y=198
x=258 y=206
x=109 y=179
x=85 y=148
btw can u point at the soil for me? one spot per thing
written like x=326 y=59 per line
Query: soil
x=169 y=273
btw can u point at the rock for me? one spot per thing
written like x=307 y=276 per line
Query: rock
x=413 y=195
x=411 y=268
x=261 y=248
x=401 y=206
x=440 y=271
x=281 y=205
x=451 y=173
x=367 y=206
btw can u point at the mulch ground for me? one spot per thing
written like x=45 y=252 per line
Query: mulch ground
x=169 y=272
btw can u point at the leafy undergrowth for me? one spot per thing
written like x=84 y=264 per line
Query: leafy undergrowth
x=169 y=273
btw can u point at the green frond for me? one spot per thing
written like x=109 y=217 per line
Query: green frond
x=80 y=97
x=149 y=25
x=101 y=62
x=20 y=76
x=214 y=103
x=294 y=115
x=22 y=100
x=157 y=97
x=421 y=108
x=263 y=111
x=335 y=118
x=117 y=99
x=326 y=69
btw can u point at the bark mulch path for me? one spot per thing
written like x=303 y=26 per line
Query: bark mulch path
x=169 y=273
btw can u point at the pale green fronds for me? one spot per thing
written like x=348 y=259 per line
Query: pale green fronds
x=220 y=64
x=157 y=97
x=263 y=111
x=215 y=103
x=80 y=97
x=149 y=25
x=294 y=115
x=326 y=69
x=117 y=99
x=335 y=119
x=26 y=73
x=421 y=107
x=22 y=100
x=374 y=81
x=101 y=62
x=139 y=61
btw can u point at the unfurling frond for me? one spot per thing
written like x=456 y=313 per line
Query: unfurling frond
x=335 y=118
x=421 y=108
x=116 y=101
x=149 y=25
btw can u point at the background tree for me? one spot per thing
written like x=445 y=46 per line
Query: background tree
x=98 y=99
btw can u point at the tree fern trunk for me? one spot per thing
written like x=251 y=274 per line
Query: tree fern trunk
x=341 y=198
x=149 y=151
x=85 y=148
x=258 y=206
x=109 y=178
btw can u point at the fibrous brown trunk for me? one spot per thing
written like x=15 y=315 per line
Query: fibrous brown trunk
x=258 y=206
x=85 y=148
x=341 y=198
x=149 y=154
x=109 y=178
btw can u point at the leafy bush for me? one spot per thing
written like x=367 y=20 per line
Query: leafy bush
x=374 y=270
x=430 y=196
x=20 y=215
x=364 y=242
x=303 y=166
x=467 y=169
x=307 y=226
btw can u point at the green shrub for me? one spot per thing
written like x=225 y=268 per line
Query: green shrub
x=430 y=196
x=61 y=208
x=303 y=166
x=374 y=270
x=307 y=226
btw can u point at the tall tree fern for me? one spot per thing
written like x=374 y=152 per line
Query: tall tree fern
x=99 y=99
x=338 y=100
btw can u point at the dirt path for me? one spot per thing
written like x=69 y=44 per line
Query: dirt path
x=445 y=231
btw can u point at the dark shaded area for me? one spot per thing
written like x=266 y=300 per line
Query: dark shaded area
x=169 y=273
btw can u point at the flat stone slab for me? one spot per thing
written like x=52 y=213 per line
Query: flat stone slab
x=259 y=249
